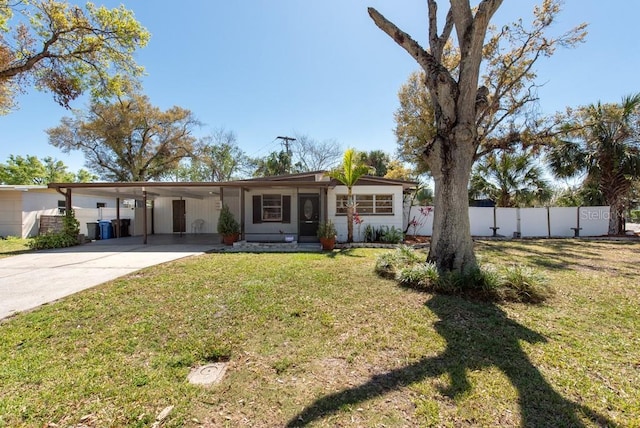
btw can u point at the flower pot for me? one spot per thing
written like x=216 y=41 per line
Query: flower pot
x=230 y=239
x=328 y=243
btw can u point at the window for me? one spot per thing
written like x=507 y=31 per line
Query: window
x=101 y=204
x=271 y=208
x=367 y=204
x=62 y=207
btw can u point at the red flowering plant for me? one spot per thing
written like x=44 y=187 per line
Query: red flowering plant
x=357 y=220
x=416 y=223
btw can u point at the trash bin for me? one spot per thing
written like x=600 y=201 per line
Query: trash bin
x=93 y=232
x=106 y=230
x=123 y=227
x=126 y=222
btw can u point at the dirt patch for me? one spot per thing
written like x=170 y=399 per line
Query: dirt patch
x=417 y=240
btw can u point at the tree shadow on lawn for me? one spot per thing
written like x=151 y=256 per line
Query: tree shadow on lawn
x=346 y=252
x=478 y=336
x=562 y=255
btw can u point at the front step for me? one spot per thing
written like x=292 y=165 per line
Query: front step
x=275 y=247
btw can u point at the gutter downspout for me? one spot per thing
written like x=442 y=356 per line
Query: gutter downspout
x=144 y=217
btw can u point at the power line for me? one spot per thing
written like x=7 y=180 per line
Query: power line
x=286 y=141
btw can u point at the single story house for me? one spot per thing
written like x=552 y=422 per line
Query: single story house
x=268 y=208
x=22 y=206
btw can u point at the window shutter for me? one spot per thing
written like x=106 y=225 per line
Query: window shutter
x=286 y=208
x=257 y=209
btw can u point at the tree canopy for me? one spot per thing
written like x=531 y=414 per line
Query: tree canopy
x=66 y=50
x=127 y=138
x=276 y=163
x=30 y=170
x=216 y=157
x=310 y=154
x=377 y=160
x=415 y=121
x=602 y=141
x=510 y=179
x=473 y=115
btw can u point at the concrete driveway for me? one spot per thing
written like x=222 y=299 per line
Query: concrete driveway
x=30 y=280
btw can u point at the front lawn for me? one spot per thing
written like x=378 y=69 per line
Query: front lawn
x=320 y=340
x=12 y=246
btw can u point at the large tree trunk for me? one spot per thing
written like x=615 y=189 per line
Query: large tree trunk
x=451 y=243
x=451 y=154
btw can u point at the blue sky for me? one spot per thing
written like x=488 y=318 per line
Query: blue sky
x=264 y=68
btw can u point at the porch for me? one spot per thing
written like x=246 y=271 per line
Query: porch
x=212 y=242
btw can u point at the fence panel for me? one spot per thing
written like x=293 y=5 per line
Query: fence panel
x=507 y=221
x=594 y=221
x=481 y=219
x=562 y=219
x=533 y=222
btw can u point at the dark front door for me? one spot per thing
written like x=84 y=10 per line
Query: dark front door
x=309 y=216
x=179 y=216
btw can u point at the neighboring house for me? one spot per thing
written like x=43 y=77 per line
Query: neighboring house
x=269 y=209
x=22 y=206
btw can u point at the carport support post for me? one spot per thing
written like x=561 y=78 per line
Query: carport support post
x=118 y=232
x=144 y=217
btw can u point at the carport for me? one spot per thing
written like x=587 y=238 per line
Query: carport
x=147 y=193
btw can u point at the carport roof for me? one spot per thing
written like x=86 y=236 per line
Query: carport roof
x=200 y=190
x=197 y=190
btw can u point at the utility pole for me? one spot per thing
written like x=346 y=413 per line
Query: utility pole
x=286 y=141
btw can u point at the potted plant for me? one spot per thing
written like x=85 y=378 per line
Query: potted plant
x=327 y=235
x=228 y=227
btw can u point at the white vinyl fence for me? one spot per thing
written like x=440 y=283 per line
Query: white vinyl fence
x=525 y=222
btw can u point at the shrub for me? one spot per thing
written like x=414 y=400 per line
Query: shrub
x=482 y=280
x=514 y=283
x=387 y=264
x=523 y=284
x=392 y=235
x=67 y=237
x=421 y=275
x=369 y=233
x=52 y=240
x=227 y=224
x=327 y=230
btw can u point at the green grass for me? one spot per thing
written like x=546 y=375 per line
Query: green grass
x=322 y=340
x=12 y=246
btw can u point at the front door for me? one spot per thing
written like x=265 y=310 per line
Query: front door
x=309 y=217
x=179 y=216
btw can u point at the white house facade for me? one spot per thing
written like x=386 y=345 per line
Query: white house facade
x=22 y=206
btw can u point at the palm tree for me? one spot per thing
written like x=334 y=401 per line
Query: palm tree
x=603 y=142
x=511 y=179
x=348 y=174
